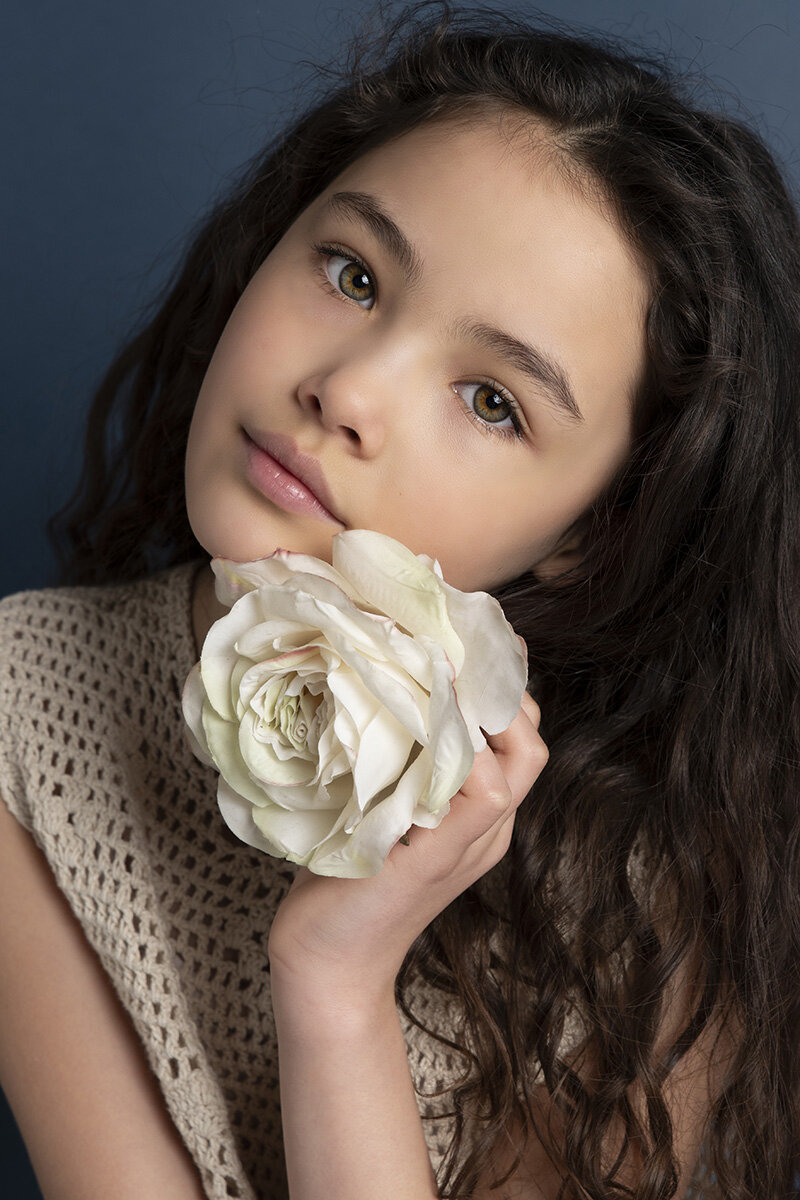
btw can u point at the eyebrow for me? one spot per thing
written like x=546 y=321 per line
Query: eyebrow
x=539 y=366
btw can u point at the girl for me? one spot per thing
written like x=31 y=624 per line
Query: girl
x=509 y=296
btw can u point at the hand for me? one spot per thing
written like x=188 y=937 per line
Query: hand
x=353 y=934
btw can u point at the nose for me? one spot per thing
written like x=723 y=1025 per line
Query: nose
x=380 y=383
x=348 y=401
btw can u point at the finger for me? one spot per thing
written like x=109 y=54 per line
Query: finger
x=475 y=832
x=494 y=844
x=504 y=771
x=520 y=750
x=487 y=849
x=497 y=783
x=483 y=798
x=501 y=777
x=531 y=708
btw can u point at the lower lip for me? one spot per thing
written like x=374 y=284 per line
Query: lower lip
x=279 y=485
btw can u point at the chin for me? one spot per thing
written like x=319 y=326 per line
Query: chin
x=246 y=545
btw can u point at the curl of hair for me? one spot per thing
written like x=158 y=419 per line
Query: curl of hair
x=665 y=664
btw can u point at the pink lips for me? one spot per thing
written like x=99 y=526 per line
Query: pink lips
x=284 y=474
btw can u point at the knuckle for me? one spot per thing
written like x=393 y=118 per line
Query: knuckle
x=539 y=753
x=498 y=798
x=531 y=708
x=442 y=869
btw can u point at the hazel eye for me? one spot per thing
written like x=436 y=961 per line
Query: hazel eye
x=352 y=280
x=487 y=400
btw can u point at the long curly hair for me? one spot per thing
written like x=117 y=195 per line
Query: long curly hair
x=665 y=663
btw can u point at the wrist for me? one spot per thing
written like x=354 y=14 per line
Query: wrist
x=313 y=1001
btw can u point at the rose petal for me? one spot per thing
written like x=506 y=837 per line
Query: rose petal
x=192 y=700
x=307 y=598
x=313 y=798
x=392 y=688
x=264 y=764
x=223 y=742
x=431 y=563
x=369 y=633
x=345 y=731
x=329 y=751
x=297 y=833
x=450 y=743
x=423 y=817
x=349 y=693
x=219 y=655
x=401 y=695
x=363 y=629
x=395 y=581
x=362 y=853
x=382 y=754
x=311 y=674
x=238 y=673
x=407 y=654
x=234 y=579
x=269 y=637
x=237 y=813
x=289 y=662
x=495 y=673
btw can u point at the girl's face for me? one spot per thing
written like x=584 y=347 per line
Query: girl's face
x=448 y=443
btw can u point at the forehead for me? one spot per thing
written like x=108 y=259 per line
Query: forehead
x=506 y=235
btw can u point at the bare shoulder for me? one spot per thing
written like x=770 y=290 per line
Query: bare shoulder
x=71 y=1064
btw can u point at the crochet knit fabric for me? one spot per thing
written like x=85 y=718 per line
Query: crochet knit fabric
x=95 y=764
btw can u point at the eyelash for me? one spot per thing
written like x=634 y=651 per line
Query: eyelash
x=325 y=250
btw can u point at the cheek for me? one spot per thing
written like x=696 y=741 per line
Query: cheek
x=259 y=336
x=205 y=432
x=270 y=327
x=465 y=523
x=237 y=356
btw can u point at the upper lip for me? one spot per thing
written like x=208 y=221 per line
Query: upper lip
x=304 y=467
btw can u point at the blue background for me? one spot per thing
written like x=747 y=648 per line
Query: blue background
x=122 y=122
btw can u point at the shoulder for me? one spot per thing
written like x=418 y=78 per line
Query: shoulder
x=78 y=629
x=54 y=643
x=39 y=623
x=51 y=630
x=84 y=672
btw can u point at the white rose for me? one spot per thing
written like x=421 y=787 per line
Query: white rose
x=342 y=704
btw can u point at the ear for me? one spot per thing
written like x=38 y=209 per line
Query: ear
x=565 y=555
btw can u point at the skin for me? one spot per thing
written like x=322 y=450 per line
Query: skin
x=377 y=390
x=372 y=384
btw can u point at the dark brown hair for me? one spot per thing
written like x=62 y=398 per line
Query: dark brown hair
x=665 y=664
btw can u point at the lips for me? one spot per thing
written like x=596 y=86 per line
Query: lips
x=305 y=469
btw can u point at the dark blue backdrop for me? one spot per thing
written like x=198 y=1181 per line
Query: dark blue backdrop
x=123 y=121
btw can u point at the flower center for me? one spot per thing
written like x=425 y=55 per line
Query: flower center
x=287 y=712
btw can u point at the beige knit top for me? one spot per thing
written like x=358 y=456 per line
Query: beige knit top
x=95 y=764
